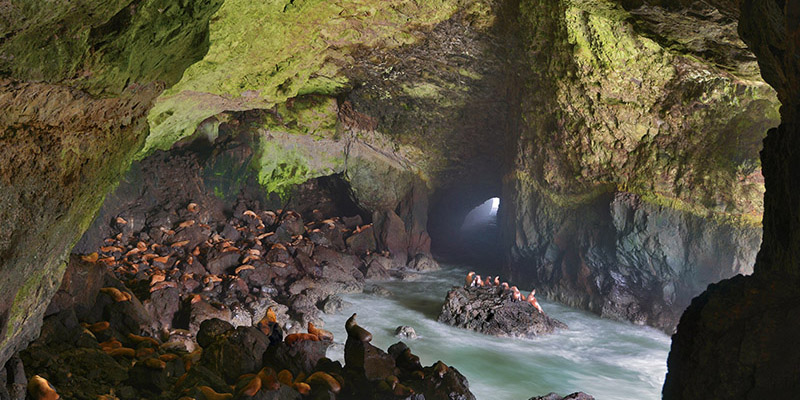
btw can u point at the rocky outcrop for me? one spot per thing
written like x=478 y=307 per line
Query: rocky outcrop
x=620 y=147
x=736 y=334
x=624 y=258
x=573 y=396
x=492 y=311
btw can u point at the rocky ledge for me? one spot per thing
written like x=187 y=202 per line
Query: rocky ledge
x=494 y=311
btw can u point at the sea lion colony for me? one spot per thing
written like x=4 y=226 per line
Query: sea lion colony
x=194 y=311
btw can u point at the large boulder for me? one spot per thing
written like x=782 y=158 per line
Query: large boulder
x=494 y=312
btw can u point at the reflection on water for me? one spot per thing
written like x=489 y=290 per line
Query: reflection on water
x=607 y=359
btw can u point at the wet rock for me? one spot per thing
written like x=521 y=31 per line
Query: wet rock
x=376 y=271
x=493 y=311
x=380 y=291
x=423 y=263
x=405 y=332
x=573 y=396
x=333 y=304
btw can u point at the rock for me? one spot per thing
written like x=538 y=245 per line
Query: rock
x=211 y=329
x=333 y=303
x=492 y=311
x=362 y=242
x=423 y=263
x=405 y=332
x=219 y=263
x=162 y=306
x=13 y=383
x=391 y=232
x=380 y=291
x=299 y=357
x=573 y=396
x=376 y=271
x=352 y=222
x=202 y=311
x=236 y=352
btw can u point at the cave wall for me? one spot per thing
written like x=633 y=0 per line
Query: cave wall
x=78 y=79
x=739 y=338
x=634 y=126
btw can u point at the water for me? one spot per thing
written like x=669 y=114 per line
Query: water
x=609 y=360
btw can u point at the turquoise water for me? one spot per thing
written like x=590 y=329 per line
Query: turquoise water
x=609 y=360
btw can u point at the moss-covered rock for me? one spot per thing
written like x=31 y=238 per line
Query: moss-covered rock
x=612 y=106
x=78 y=79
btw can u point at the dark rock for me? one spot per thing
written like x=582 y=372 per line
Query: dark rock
x=211 y=329
x=573 y=396
x=13 y=382
x=293 y=224
x=493 y=311
x=144 y=378
x=423 y=263
x=352 y=222
x=406 y=332
x=299 y=357
x=362 y=242
x=162 y=306
x=236 y=352
x=202 y=311
x=368 y=360
x=199 y=375
x=219 y=263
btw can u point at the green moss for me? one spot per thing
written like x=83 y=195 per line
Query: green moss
x=281 y=166
x=263 y=53
x=307 y=115
x=107 y=46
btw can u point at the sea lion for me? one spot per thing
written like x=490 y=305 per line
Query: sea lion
x=478 y=281
x=324 y=379
x=302 y=387
x=210 y=394
x=356 y=332
x=41 y=389
x=321 y=333
x=488 y=281
x=497 y=280
x=533 y=302
x=470 y=279
x=285 y=377
x=251 y=387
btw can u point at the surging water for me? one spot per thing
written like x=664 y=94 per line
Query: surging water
x=609 y=360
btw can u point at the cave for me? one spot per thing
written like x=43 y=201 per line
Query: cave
x=184 y=204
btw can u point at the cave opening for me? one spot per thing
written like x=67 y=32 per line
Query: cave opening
x=464 y=228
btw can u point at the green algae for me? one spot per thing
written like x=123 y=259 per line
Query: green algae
x=265 y=53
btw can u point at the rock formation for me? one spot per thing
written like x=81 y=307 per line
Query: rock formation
x=491 y=310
